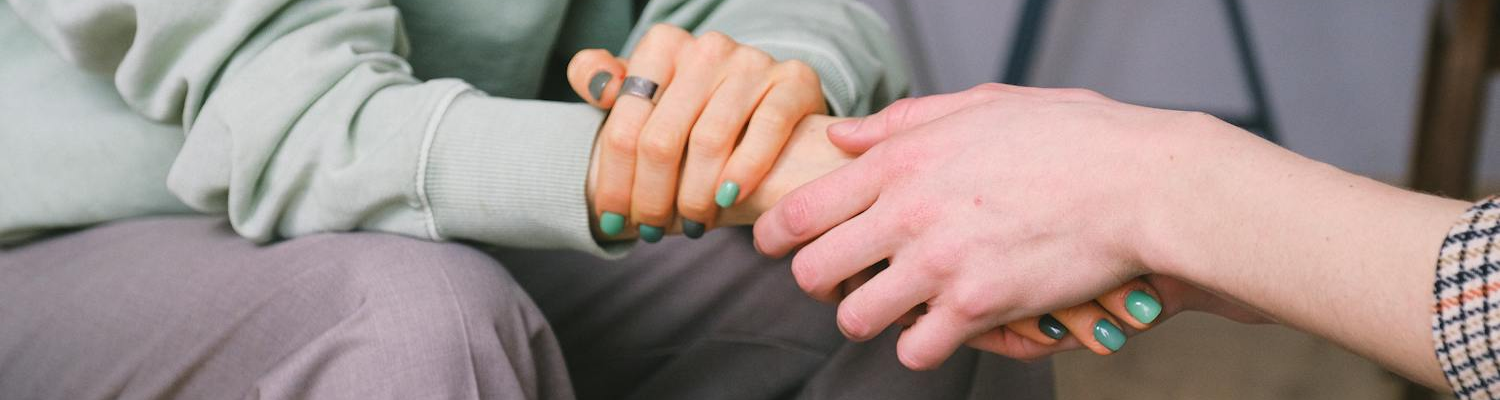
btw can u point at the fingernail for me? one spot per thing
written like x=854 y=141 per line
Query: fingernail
x=650 y=233
x=1052 y=327
x=692 y=229
x=597 y=84
x=727 y=193
x=611 y=223
x=845 y=127
x=1109 y=335
x=1142 y=306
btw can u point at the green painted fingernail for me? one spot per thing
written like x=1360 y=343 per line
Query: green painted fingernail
x=650 y=233
x=1109 y=335
x=1051 y=327
x=692 y=229
x=727 y=193
x=1142 y=306
x=611 y=223
x=597 y=84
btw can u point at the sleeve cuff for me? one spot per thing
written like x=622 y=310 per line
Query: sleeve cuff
x=1466 y=294
x=513 y=173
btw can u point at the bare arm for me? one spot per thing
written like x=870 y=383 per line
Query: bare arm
x=1001 y=203
x=1317 y=248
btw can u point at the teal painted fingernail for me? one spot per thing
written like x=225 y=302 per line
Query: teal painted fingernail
x=1051 y=327
x=1109 y=335
x=727 y=193
x=650 y=233
x=692 y=229
x=611 y=223
x=1142 y=306
x=597 y=84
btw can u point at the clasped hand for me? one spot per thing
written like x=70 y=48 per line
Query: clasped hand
x=985 y=210
x=954 y=207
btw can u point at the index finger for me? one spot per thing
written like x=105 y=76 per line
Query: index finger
x=816 y=207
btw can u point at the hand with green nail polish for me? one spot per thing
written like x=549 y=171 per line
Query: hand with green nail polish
x=806 y=156
x=720 y=115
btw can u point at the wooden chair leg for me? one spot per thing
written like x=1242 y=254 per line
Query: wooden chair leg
x=1452 y=99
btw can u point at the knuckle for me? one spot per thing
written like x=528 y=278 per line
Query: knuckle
x=620 y=141
x=707 y=53
x=661 y=38
x=614 y=195
x=851 y=323
x=693 y=207
x=796 y=216
x=715 y=42
x=660 y=149
x=900 y=161
x=939 y=265
x=710 y=144
x=796 y=71
x=971 y=308
x=751 y=58
x=991 y=92
x=654 y=211
x=664 y=30
x=803 y=271
x=935 y=270
x=990 y=87
x=1080 y=94
x=899 y=112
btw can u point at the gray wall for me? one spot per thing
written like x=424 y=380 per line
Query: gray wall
x=1343 y=75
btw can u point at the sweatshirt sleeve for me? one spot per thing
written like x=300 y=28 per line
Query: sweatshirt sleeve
x=1467 y=309
x=844 y=41
x=304 y=117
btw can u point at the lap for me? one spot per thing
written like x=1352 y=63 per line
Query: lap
x=711 y=318
x=183 y=307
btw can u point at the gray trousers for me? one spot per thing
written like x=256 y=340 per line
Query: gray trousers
x=181 y=307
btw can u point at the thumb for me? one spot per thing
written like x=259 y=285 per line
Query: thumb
x=596 y=75
x=858 y=135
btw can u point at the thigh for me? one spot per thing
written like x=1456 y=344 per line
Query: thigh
x=182 y=307
x=711 y=318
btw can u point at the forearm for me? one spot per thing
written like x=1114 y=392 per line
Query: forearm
x=1341 y=256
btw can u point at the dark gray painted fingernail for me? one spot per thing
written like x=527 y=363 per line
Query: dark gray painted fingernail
x=692 y=229
x=1051 y=327
x=597 y=84
x=650 y=234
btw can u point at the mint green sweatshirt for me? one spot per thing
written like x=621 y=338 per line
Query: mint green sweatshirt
x=434 y=119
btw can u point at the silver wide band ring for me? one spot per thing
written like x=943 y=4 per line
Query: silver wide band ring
x=639 y=87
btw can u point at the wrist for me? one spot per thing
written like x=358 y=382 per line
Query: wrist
x=1196 y=191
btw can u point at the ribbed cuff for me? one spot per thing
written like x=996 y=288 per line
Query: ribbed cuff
x=513 y=173
x=1468 y=302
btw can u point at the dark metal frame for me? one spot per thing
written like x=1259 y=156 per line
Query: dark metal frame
x=1032 y=21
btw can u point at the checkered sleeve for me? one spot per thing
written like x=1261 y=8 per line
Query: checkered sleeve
x=1466 y=318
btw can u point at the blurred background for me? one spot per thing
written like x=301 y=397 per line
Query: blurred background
x=1341 y=81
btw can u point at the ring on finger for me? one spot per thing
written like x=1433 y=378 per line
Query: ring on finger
x=639 y=87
